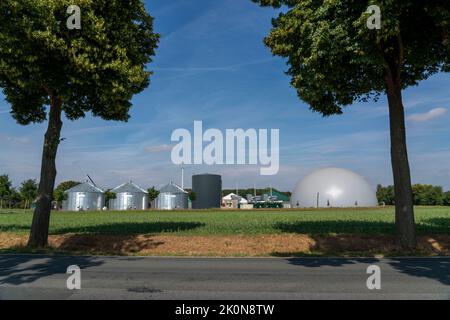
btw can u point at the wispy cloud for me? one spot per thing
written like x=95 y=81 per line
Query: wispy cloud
x=232 y=67
x=14 y=140
x=159 y=149
x=427 y=116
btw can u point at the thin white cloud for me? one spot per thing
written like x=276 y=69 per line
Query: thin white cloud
x=232 y=67
x=14 y=140
x=427 y=116
x=159 y=149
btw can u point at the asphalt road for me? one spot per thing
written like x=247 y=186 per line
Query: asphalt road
x=44 y=277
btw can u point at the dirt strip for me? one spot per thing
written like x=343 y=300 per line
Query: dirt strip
x=255 y=245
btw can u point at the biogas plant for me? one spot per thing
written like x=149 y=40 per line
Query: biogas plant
x=323 y=188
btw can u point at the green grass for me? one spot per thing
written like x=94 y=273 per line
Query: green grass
x=430 y=220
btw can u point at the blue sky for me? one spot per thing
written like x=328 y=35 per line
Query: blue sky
x=211 y=65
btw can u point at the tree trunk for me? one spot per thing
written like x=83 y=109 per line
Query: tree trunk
x=404 y=209
x=41 y=218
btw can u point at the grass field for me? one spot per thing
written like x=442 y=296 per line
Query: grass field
x=318 y=232
x=430 y=220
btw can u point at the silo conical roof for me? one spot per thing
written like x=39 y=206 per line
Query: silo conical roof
x=171 y=188
x=128 y=187
x=85 y=187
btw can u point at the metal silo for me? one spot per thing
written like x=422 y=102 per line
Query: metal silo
x=171 y=197
x=208 y=191
x=84 y=197
x=129 y=197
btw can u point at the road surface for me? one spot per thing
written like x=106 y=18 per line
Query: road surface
x=45 y=277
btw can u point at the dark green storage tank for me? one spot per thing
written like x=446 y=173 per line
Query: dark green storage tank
x=208 y=191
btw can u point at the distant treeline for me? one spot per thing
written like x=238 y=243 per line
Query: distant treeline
x=21 y=197
x=424 y=195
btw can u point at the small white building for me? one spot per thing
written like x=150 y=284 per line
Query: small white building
x=233 y=201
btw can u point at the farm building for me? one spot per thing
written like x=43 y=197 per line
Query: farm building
x=129 y=196
x=233 y=201
x=85 y=196
x=171 y=197
x=333 y=187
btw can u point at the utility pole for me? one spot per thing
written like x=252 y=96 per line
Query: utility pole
x=182 y=177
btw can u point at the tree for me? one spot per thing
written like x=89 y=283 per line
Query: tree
x=447 y=198
x=428 y=195
x=14 y=199
x=386 y=195
x=60 y=195
x=335 y=59
x=109 y=195
x=47 y=69
x=28 y=192
x=5 y=188
x=152 y=194
x=192 y=196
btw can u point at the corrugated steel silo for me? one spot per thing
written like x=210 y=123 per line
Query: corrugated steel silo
x=129 y=197
x=208 y=191
x=84 y=197
x=171 y=197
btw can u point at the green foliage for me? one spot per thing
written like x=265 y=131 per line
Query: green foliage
x=423 y=194
x=66 y=185
x=60 y=195
x=28 y=191
x=109 y=195
x=14 y=199
x=5 y=188
x=386 y=195
x=96 y=69
x=447 y=198
x=335 y=60
x=152 y=194
x=192 y=196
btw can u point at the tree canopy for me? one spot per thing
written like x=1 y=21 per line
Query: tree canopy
x=5 y=188
x=335 y=60
x=95 y=69
x=48 y=68
x=28 y=191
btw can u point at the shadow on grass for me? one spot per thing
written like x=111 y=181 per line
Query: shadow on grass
x=428 y=226
x=14 y=228
x=130 y=228
x=439 y=225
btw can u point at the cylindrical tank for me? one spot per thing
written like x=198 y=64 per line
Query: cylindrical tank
x=208 y=191
x=129 y=197
x=171 y=197
x=84 y=197
x=333 y=187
